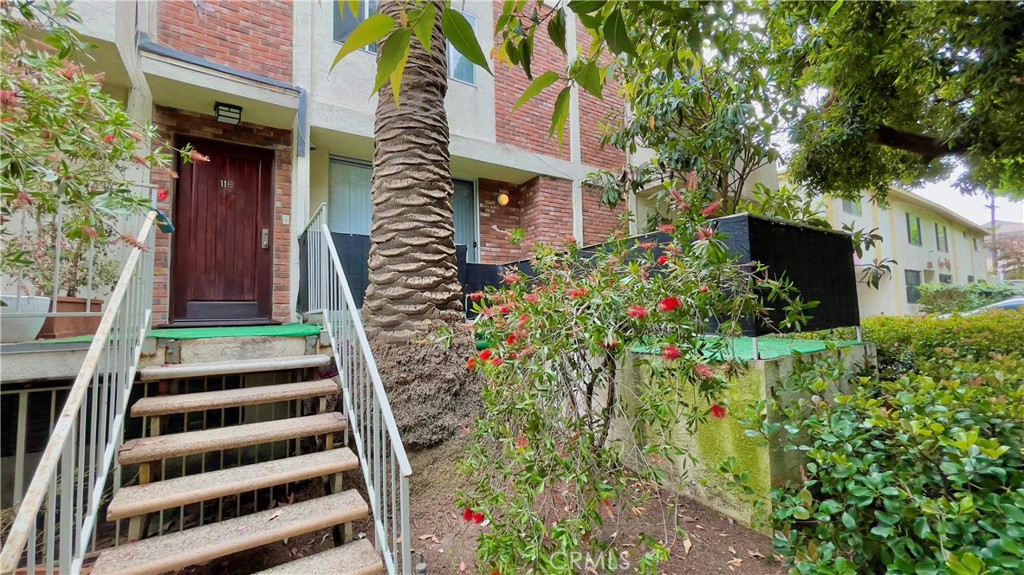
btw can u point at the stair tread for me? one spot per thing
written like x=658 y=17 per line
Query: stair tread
x=192 y=442
x=355 y=558
x=137 y=500
x=255 y=395
x=233 y=366
x=208 y=542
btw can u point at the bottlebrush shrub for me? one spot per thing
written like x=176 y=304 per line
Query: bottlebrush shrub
x=912 y=475
x=547 y=472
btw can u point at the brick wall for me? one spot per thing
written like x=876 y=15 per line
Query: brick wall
x=527 y=127
x=596 y=116
x=254 y=37
x=547 y=210
x=171 y=121
x=600 y=221
x=496 y=221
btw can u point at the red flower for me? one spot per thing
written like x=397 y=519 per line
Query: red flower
x=610 y=345
x=496 y=362
x=667 y=228
x=8 y=99
x=705 y=234
x=570 y=241
x=718 y=412
x=703 y=289
x=198 y=158
x=476 y=296
x=711 y=209
x=670 y=352
x=485 y=355
x=662 y=260
x=505 y=309
x=478 y=518
x=162 y=195
x=511 y=278
x=637 y=312
x=91 y=232
x=577 y=293
x=467 y=514
x=471 y=364
x=531 y=298
x=647 y=245
x=522 y=442
x=703 y=371
x=109 y=139
x=512 y=339
x=524 y=319
x=669 y=304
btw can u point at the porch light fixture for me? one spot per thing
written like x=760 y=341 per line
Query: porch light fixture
x=228 y=113
x=503 y=199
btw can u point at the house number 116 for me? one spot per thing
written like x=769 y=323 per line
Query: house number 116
x=227 y=184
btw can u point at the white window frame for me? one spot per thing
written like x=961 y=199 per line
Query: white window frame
x=364 y=7
x=451 y=50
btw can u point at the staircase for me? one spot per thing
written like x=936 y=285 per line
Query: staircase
x=169 y=552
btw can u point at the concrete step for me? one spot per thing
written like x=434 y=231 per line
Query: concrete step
x=208 y=542
x=192 y=442
x=356 y=558
x=230 y=367
x=138 y=500
x=255 y=395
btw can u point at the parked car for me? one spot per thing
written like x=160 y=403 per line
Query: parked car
x=1013 y=304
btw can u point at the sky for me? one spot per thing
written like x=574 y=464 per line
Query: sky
x=973 y=208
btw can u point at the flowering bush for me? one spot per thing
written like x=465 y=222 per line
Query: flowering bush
x=916 y=474
x=546 y=466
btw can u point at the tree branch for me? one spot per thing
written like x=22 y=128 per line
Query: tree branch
x=928 y=147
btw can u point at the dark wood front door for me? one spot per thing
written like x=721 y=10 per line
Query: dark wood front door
x=222 y=250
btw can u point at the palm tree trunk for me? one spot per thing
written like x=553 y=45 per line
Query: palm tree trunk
x=414 y=282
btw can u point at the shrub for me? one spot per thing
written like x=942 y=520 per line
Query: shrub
x=546 y=469
x=913 y=475
x=948 y=298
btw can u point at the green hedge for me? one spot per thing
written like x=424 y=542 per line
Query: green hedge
x=948 y=298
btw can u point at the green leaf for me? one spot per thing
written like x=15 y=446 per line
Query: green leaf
x=921 y=528
x=367 y=32
x=542 y=82
x=556 y=29
x=848 y=521
x=526 y=55
x=424 y=25
x=590 y=79
x=560 y=115
x=460 y=33
x=353 y=7
x=616 y=36
x=396 y=76
x=394 y=51
x=835 y=8
x=586 y=6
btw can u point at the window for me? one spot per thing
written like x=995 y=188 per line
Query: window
x=464 y=206
x=913 y=230
x=345 y=21
x=913 y=278
x=975 y=242
x=941 y=239
x=945 y=279
x=459 y=68
x=970 y=279
x=853 y=208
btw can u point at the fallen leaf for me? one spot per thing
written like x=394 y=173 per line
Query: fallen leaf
x=687 y=544
x=736 y=561
x=732 y=550
x=689 y=519
x=756 y=554
x=700 y=526
x=462 y=567
x=426 y=536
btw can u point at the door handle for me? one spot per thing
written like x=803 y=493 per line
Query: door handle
x=265 y=238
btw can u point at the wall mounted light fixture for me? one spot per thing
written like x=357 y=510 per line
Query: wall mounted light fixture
x=228 y=113
x=503 y=199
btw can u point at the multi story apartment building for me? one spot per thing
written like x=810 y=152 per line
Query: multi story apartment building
x=305 y=137
x=929 y=242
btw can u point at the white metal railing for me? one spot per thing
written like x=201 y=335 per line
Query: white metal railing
x=382 y=457
x=60 y=509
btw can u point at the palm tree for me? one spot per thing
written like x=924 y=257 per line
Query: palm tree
x=414 y=283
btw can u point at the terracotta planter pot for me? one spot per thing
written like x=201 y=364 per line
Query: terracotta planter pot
x=60 y=327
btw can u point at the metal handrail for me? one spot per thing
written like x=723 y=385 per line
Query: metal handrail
x=378 y=443
x=66 y=491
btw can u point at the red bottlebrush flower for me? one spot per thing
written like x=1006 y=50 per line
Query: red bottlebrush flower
x=140 y=160
x=669 y=304
x=569 y=241
x=171 y=173
x=524 y=319
x=531 y=298
x=24 y=200
x=611 y=345
x=110 y=139
x=471 y=364
x=522 y=442
x=91 y=232
x=8 y=99
x=69 y=71
x=162 y=195
x=497 y=361
x=711 y=209
x=670 y=352
x=667 y=228
x=691 y=181
x=705 y=234
x=505 y=309
x=703 y=289
x=476 y=296
x=662 y=260
x=197 y=157
x=467 y=514
x=703 y=371
x=512 y=339
x=135 y=135
x=485 y=355
x=511 y=278
x=577 y=293
x=637 y=312
x=685 y=206
x=718 y=412
x=478 y=518
x=647 y=245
